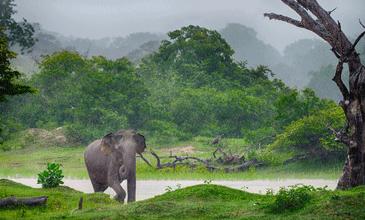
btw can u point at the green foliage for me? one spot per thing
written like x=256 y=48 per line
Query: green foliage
x=206 y=201
x=8 y=84
x=208 y=112
x=311 y=134
x=51 y=177
x=196 y=45
x=90 y=97
x=201 y=57
x=293 y=198
x=20 y=33
x=189 y=87
x=293 y=105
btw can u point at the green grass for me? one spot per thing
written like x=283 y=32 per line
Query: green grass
x=197 y=202
x=32 y=159
x=29 y=162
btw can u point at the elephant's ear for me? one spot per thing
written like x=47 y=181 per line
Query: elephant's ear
x=107 y=144
x=140 y=138
x=141 y=142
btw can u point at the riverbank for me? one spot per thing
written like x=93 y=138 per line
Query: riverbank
x=29 y=162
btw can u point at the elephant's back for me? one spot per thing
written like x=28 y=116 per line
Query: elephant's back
x=93 y=149
x=95 y=159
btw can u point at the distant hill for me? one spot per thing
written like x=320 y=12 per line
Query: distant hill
x=294 y=66
x=134 y=45
x=248 y=47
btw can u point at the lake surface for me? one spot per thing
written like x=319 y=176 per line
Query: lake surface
x=150 y=188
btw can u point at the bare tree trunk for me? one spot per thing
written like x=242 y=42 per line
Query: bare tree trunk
x=314 y=18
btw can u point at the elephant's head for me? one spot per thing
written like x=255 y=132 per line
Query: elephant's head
x=120 y=140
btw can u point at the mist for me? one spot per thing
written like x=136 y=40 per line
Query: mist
x=98 y=19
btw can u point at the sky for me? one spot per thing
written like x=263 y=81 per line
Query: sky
x=111 y=18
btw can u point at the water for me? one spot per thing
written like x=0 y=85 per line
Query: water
x=150 y=188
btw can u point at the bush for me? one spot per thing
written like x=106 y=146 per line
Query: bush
x=311 y=134
x=292 y=198
x=51 y=177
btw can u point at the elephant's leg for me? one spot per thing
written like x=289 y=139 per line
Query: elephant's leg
x=131 y=188
x=120 y=193
x=99 y=187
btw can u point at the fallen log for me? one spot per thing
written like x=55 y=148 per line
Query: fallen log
x=245 y=166
x=13 y=201
x=238 y=164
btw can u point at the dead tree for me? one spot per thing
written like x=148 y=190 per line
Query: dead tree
x=319 y=21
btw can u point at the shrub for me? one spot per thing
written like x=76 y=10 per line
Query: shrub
x=51 y=177
x=311 y=134
x=292 y=198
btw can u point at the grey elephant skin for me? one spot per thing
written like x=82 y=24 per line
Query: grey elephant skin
x=112 y=159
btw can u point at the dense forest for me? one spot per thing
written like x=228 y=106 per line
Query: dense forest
x=193 y=84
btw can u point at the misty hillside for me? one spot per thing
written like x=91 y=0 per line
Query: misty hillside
x=248 y=47
x=299 y=66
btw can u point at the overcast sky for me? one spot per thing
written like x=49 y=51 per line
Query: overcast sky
x=110 y=18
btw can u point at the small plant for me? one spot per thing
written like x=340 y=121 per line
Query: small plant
x=207 y=182
x=292 y=198
x=51 y=177
x=171 y=188
x=269 y=192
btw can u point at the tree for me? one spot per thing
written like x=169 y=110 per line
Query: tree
x=318 y=20
x=8 y=85
x=20 y=33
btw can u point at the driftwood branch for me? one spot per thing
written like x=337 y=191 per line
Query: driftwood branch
x=13 y=201
x=145 y=160
x=228 y=162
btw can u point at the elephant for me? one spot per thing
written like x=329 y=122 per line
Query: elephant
x=112 y=159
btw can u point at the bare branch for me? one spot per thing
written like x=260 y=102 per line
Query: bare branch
x=323 y=16
x=237 y=163
x=341 y=136
x=329 y=12
x=145 y=160
x=284 y=18
x=299 y=10
x=335 y=37
x=352 y=49
x=338 y=80
x=362 y=25
x=158 y=161
x=335 y=52
x=307 y=21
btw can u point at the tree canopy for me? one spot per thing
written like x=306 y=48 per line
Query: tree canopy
x=17 y=33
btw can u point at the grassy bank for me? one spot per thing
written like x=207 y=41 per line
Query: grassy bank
x=30 y=161
x=197 y=202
